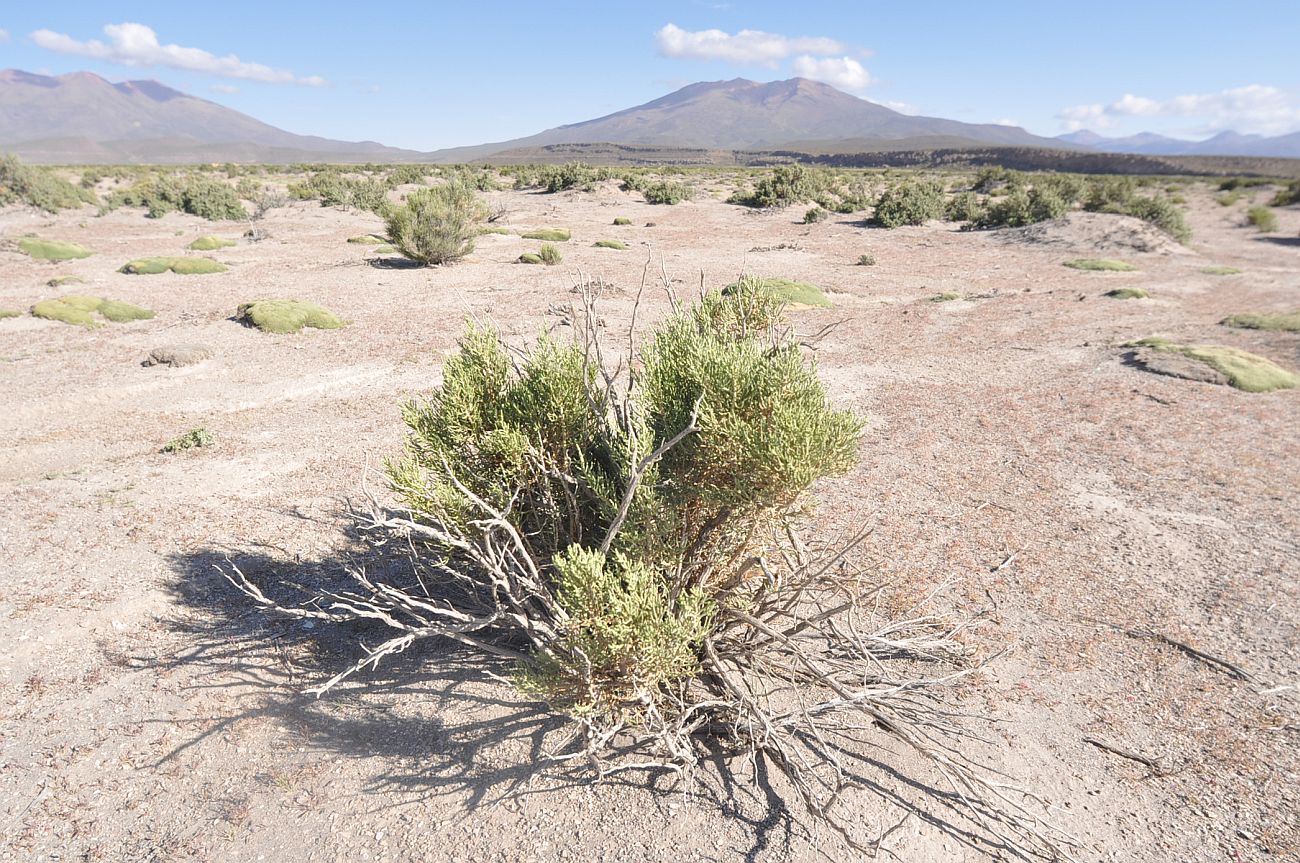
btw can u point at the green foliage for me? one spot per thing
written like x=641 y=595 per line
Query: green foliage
x=333 y=189
x=791 y=294
x=667 y=193
x=530 y=258
x=550 y=235
x=622 y=220
x=437 y=225
x=194 y=194
x=911 y=202
x=39 y=187
x=1163 y=214
x=366 y=240
x=521 y=435
x=1232 y=183
x=211 y=244
x=1287 y=322
x=866 y=260
x=1245 y=371
x=1262 y=218
x=549 y=254
x=52 y=250
x=192 y=439
x=287 y=316
x=1287 y=196
x=785 y=185
x=611 y=244
x=10 y=313
x=993 y=177
x=81 y=310
x=1109 y=194
x=816 y=214
x=402 y=175
x=945 y=297
x=1128 y=294
x=182 y=266
x=1022 y=206
x=557 y=178
x=964 y=207
x=1228 y=199
x=1100 y=265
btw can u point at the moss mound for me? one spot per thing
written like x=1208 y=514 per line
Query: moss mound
x=192 y=439
x=1106 y=265
x=530 y=258
x=52 y=250
x=81 y=310
x=1287 y=322
x=795 y=295
x=1245 y=371
x=211 y=243
x=1128 y=294
x=1220 y=271
x=550 y=235
x=180 y=266
x=60 y=281
x=493 y=229
x=287 y=316
x=10 y=313
x=367 y=240
x=610 y=244
x=622 y=220
x=945 y=297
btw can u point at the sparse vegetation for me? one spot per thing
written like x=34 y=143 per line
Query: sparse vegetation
x=866 y=260
x=1220 y=271
x=786 y=185
x=436 y=225
x=211 y=244
x=39 y=187
x=182 y=266
x=622 y=220
x=1128 y=294
x=1119 y=195
x=1287 y=196
x=791 y=294
x=192 y=439
x=530 y=258
x=1105 y=265
x=611 y=244
x=816 y=214
x=963 y=207
x=82 y=310
x=287 y=316
x=52 y=250
x=1287 y=322
x=10 y=313
x=550 y=235
x=60 y=281
x=667 y=193
x=367 y=240
x=334 y=189
x=1262 y=218
x=1243 y=370
x=549 y=254
x=194 y=194
x=911 y=202
x=945 y=297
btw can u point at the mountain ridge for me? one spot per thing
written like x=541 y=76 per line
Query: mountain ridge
x=1226 y=143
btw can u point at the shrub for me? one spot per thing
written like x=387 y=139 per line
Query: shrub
x=1128 y=294
x=611 y=244
x=964 y=207
x=786 y=185
x=790 y=294
x=816 y=214
x=10 y=313
x=39 y=187
x=192 y=439
x=52 y=250
x=1262 y=218
x=667 y=193
x=436 y=225
x=1286 y=197
x=945 y=297
x=333 y=189
x=182 y=266
x=530 y=258
x=1100 y=264
x=1023 y=207
x=1109 y=194
x=550 y=235
x=287 y=316
x=866 y=260
x=912 y=202
x=199 y=196
x=622 y=220
x=402 y=175
x=1220 y=271
x=549 y=254
x=1163 y=214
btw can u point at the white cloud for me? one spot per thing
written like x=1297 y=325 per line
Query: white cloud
x=901 y=107
x=137 y=45
x=1253 y=108
x=746 y=46
x=224 y=88
x=1005 y=122
x=843 y=72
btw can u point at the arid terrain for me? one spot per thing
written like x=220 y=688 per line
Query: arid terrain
x=1092 y=515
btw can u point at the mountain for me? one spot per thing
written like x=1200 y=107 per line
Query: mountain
x=742 y=114
x=1223 y=144
x=82 y=118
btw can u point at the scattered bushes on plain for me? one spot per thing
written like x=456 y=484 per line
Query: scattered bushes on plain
x=667 y=193
x=1286 y=322
x=436 y=225
x=785 y=185
x=550 y=235
x=1287 y=196
x=39 y=187
x=1262 y=218
x=194 y=194
x=911 y=202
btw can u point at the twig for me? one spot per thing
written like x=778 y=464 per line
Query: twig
x=1157 y=769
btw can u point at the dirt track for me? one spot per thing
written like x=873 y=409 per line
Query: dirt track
x=150 y=714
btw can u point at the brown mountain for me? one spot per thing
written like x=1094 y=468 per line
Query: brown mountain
x=745 y=115
x=82 y=118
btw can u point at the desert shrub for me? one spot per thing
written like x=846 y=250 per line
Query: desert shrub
x=1287 y=196
x=667 y=193
x=1022 y=207
x=785 y=185
x=248 y=188
x=52 y=250
x=39 y=187
x=1219 y=270
x=550 y=235
x=549 y=254
x=287 y=316
x=168 y=193
x=436 y=225
x=1227 y=199
x=866 y=260
x=559 y=178
x=1262 y=218
x=10 y=313
x=402 y=175
x=1161 y=213
x=816 y=214
x=192 y=439
x=333 y=189
x=1233 y=183
x=992 y=177
x=963 y=207
x=268 y=200
x=911 y=202
x=945 y=297
x=530 y=258
x=1128 y=294
x=1067 y=187
x=788 y=293
x=622 y=220
x=1109 y=194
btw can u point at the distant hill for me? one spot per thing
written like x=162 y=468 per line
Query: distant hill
x=744 y=114
x=1223 y=144
x=82 y=118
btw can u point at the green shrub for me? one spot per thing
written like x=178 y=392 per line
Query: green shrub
x=610 y=244
x=60 y=281
x=550 y=235
x=622 y=220
x=786 y=185
x=912 y=202
x=1287 y=322
x=1128 y=294
x=549 y=254
x=945 y=297
x=1101 y=265
x=1262 y=218
x=1232 y=183
x=366 y=240
x=1245 y=371
x=816 y=214
x=436 y=225
x=667 y=193
x=182 y=266
x=1110 y=194
x=333 y=189
x=1021 y=207
x=1286 y=197
x=197 y=195
x=287 y=316
x=530 y=258
x=39 y=187
x=1228 y=199
x=790 y=294
x=192 y=439
x=1163 y=214
x=81 y=310
x=52 y=250
x=402 y=175
x=211 y=244
x=964 y=207
x=866 y=260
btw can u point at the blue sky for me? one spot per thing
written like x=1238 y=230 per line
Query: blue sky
x=431 y=74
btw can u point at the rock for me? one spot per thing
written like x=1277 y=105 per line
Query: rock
x=178 y=355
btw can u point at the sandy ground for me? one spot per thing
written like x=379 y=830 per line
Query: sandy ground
x=147 y=713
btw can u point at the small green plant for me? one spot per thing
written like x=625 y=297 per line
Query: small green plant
x=287 y=316
x=1245 y=371
x=437 y=225
x=945 y=297
x=1220 y=271
x=367 y=240
x=816 y=214
x=182 y=266
x=866 y=260
x=211 y=244
x=611 y=244
x=1287 y=196
x=963 y=207
x=622 y=220
x=795 y=296
x=667 y=193
x=549 y=254
x=530 y=258
x=1106 y=265
x=60 y=281
x=1286 y=322
x=1262 y=218
x=81 y=310
x=52 y=250
x=550 y=235
x=10 y=313
x=1227 y=199
x=1128 y=294
x=192 y=439
x=911 y=202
